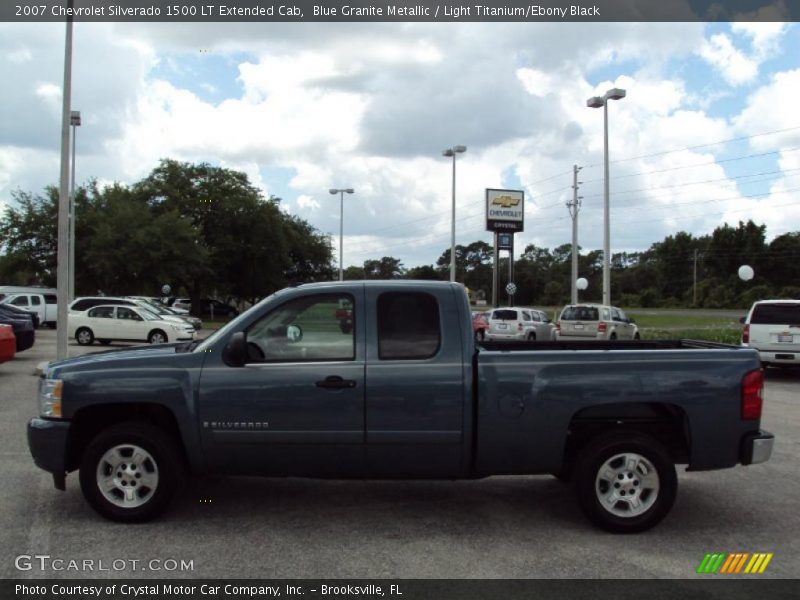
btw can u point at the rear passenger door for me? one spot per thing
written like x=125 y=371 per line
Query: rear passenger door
x=415 y=383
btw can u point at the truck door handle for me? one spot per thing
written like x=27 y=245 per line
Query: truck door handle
x=334 y=382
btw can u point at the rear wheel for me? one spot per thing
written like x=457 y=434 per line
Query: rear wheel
x=636 y=336
x=480 y=335
x=612 y=337
x=531 y=337
x=130 y=471
x=84 y=336
x=625 y=482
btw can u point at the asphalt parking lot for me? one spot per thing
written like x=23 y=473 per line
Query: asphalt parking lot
x=501 y=527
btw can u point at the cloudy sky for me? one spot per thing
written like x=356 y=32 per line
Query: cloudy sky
x=709 y=131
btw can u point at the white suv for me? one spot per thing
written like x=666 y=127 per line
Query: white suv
x=521 y=324
x=773 y=328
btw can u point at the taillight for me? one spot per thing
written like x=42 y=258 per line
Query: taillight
x=746 y=334
x=601 y=327
x=752 y=389
x=558 y=326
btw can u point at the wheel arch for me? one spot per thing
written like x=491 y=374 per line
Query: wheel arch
x=666 y=422
x=89 y=421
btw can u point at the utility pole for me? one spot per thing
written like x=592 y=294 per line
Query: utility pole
x=574 y=207
x=694 y=283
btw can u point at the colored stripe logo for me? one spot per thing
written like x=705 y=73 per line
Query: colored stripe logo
x=735 y=563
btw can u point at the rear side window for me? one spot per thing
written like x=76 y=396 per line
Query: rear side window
x=85 y=304
x=505 y=315
x=408 y=326
x=776 y=314
x=580 y=313
x=102 y=312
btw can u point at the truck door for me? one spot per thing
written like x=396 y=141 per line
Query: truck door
x=415 y=383
x=297 y=406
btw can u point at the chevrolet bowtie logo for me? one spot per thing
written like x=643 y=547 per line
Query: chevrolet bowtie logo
x=506 y=201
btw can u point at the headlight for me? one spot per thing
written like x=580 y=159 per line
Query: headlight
x=50 y=397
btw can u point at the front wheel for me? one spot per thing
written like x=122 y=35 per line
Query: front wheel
x=84 y=336
x=625 y=482
x=157 y=337
x=130 y=471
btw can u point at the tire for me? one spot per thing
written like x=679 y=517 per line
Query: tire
x=633 y=468
x=157 y=337
x=84 y=336
x=636 y=336
x=104 y=342
x=612 y=337
x=147 y=455
x=480 y=335
x=531 y=337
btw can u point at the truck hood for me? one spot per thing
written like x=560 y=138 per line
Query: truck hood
x=143 y=355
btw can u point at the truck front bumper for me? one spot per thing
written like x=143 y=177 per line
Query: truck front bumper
x=757 y=447
x=47 y=440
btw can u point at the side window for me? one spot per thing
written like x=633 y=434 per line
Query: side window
x=36 y=301
x=606 y=315
x=102 y=312
x=621 y=314
x=408 y=326
x=311 y=328
x=50 y=299
x=20 y=301
x=526 y=316
x=127 y=314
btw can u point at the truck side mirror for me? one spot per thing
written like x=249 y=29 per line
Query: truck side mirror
x=235 y=353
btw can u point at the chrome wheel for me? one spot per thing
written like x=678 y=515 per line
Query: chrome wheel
x=84 y=337
x=627 y=485
x=127 y=476
x=158 y=338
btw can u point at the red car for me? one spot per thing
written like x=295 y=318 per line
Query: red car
x=479 y=325
x=8 y=343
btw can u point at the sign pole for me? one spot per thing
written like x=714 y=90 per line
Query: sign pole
x=495 y=272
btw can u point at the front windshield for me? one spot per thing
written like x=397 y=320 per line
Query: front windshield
x=233 y=325
x=153 y=308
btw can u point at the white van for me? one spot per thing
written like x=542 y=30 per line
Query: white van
x=43 y=303
x=773 y=328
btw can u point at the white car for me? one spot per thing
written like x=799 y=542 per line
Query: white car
x=107 y=323
x=773 y=328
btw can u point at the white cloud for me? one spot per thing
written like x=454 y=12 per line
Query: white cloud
x=734 y=66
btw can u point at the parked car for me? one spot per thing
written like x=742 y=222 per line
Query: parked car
x=208 y=308
x=22 y=326
x=109 y=322
x=8 y=343
x=773 y=328
x=161 y=301
x=85 y=303
x=519 y=324
x=34 y=317
x=45 y=306
x=405 y=393
x=595 y=322
x=168 y=313
x=479 y=325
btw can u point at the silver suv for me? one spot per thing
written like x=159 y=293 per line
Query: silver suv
x=595 y=322
x=773 y=328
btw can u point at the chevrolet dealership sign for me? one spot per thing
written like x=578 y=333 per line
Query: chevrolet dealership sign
x=505 y=210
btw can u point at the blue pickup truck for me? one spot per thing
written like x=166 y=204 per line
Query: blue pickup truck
x=383 y=379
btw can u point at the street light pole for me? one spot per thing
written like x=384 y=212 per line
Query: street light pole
x=451 y=152
x=574 y=208
x=597 y=102
x=62 y=252
x=75 y=121
x=341 y=193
